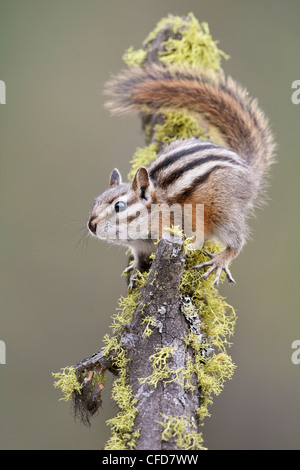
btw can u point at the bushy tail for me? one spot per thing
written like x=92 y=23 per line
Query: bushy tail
x=220 y=101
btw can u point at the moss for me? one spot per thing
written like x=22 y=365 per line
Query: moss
x=68 y=382
x=183 y=431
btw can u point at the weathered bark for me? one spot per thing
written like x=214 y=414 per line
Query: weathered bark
x=161 y=302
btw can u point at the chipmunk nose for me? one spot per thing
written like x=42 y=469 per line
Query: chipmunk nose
x=92 y=224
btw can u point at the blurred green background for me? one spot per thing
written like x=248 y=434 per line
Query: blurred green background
x=58 y=145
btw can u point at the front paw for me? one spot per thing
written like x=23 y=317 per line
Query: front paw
x=217 y=263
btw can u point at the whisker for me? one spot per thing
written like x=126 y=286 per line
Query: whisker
x=78 y=231
x=83 y=240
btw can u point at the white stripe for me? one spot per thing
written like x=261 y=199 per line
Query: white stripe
x=182 y=162
x=188 y=177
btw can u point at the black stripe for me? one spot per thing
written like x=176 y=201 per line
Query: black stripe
x=179 y=154
x=197 y=162
x=183 y=195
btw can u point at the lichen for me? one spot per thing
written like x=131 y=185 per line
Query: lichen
x=183 y=431
x=212 y=365
x=142 y=157
x=194 y=47
x=148 y=321
x=134 y=58
x=162 y=372
x=191 y=45
x=67 y=381
x=178 y=125
x=122 y=425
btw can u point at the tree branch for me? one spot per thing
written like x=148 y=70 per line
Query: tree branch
x=161 y=391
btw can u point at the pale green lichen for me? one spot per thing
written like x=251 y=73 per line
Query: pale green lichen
x=212 y=365
x=148 y=321
x=192 y=45
x=67 y=381
x=178 y=125
x=122 y=425
x=134 y=58
x=183 y=431
x=162 y=372
x=195 y=46
x=142 y=157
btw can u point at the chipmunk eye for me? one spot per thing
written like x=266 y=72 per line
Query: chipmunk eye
x=120 y=206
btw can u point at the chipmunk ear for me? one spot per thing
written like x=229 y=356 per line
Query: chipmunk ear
x=141 y=183
x=115 y=178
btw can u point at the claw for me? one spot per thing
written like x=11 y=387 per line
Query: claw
x=208 y=272
x=208 y=254
x=203 y=265
x=131 y=284
x=132 y=278
x=218 y=274
x=229 y=276
x=128 y=269
x=213 y=265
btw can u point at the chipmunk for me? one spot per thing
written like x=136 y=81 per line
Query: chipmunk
x=227 y=179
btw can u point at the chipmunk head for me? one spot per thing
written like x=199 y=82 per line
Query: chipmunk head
x=120 y=214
